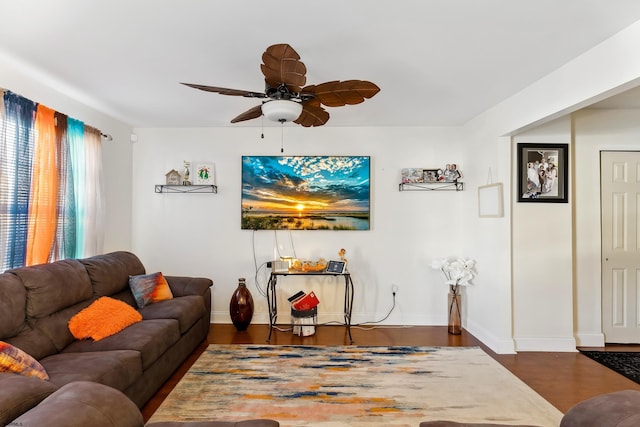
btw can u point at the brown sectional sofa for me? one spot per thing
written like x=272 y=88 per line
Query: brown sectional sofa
x=87 y=404
x=37 y=302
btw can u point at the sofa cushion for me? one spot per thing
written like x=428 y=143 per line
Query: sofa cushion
x=18 y=394
x=13 y=304
x=33 y=342
x=55 y=326
x=54 y=286
x=151 y=338
x=12 y=359
x=83 y=404
x=118 y=369
x=186 y=310
x=104 y=317
x=149 y=288
x=110 y=272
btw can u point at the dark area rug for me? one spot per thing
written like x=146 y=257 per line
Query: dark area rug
x=624 y=363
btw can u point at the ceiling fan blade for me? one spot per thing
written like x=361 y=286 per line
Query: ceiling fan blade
x=339 y=93
x=226 y=91
x=312 y=115
x=282 y=65
x=252 y=113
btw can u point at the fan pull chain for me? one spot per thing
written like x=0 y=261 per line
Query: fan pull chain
x=262 y=126
x=282 y=136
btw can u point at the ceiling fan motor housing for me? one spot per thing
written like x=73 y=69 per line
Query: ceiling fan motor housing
x=280 y=92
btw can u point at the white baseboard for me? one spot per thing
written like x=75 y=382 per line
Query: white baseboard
x=284 y=317
x=499 y=345
x=559 y=344
x=590 y=340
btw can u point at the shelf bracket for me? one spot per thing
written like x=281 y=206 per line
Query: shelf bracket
x=431 y=186
x=162 y=188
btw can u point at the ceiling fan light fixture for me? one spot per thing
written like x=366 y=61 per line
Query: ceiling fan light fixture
x=282 y=110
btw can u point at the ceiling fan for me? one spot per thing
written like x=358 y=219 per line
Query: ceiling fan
x=286 y=96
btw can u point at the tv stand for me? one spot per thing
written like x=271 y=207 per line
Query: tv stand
x=272 y=300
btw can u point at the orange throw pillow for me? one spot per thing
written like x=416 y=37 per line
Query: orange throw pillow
x=104 y=317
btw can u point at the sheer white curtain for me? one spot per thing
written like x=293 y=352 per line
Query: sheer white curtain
x=94 y=211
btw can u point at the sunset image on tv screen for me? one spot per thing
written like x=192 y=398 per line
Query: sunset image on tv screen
x=305 y=192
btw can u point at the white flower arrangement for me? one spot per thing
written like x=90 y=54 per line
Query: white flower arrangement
x=457 y=271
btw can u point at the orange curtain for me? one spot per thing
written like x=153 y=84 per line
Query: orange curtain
x=44 y=190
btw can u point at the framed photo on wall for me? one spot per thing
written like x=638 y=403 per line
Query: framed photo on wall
x=543 y=172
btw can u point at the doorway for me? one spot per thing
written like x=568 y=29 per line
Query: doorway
x=620 y=210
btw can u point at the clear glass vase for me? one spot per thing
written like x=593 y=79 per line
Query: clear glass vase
x=455 y=313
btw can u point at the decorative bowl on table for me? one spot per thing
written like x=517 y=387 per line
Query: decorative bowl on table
x=309 y=265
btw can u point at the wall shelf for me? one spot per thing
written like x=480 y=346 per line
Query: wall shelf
x=162 y=188
x=431 y=186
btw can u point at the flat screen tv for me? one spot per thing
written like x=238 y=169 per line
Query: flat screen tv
x=305 y=192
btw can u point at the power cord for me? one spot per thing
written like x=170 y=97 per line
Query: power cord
x=393 y=306
x=255 y=265
x=358 y=325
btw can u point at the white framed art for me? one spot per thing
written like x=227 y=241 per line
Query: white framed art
x=490 y=201
x=203 y=173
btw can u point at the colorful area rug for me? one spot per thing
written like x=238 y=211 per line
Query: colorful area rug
x=624 y=363
x=353 y=386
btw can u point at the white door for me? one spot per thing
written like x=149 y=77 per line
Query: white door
x=620 y=199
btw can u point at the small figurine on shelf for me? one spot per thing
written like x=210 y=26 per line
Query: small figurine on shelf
x=172 y=177
x=342 y=252
x=185 y=179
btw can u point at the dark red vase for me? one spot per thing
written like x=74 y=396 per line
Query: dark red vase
x=241 y=306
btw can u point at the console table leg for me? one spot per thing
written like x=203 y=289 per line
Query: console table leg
x=272 y=304
x=348 y=304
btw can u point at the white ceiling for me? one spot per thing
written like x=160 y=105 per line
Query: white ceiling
x=437 y=62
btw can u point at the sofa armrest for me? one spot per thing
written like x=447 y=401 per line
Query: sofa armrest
x=615 y=409
x=182 y=286
x=82 y=404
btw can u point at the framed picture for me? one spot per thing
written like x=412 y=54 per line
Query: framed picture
x=490 y=201
x=412 y=175
x=203 y=173
x=543 y=172
x=430 y=175
x=305 y=192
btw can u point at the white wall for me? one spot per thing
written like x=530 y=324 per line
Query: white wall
x=542 y=258
x=117 y=154
x=507 y=308
x=200 y=233
x=595 y=131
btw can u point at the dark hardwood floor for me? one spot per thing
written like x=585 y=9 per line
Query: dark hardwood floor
x=564 y=379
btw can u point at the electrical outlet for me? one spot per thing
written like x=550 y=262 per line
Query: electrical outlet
x=394 y=289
